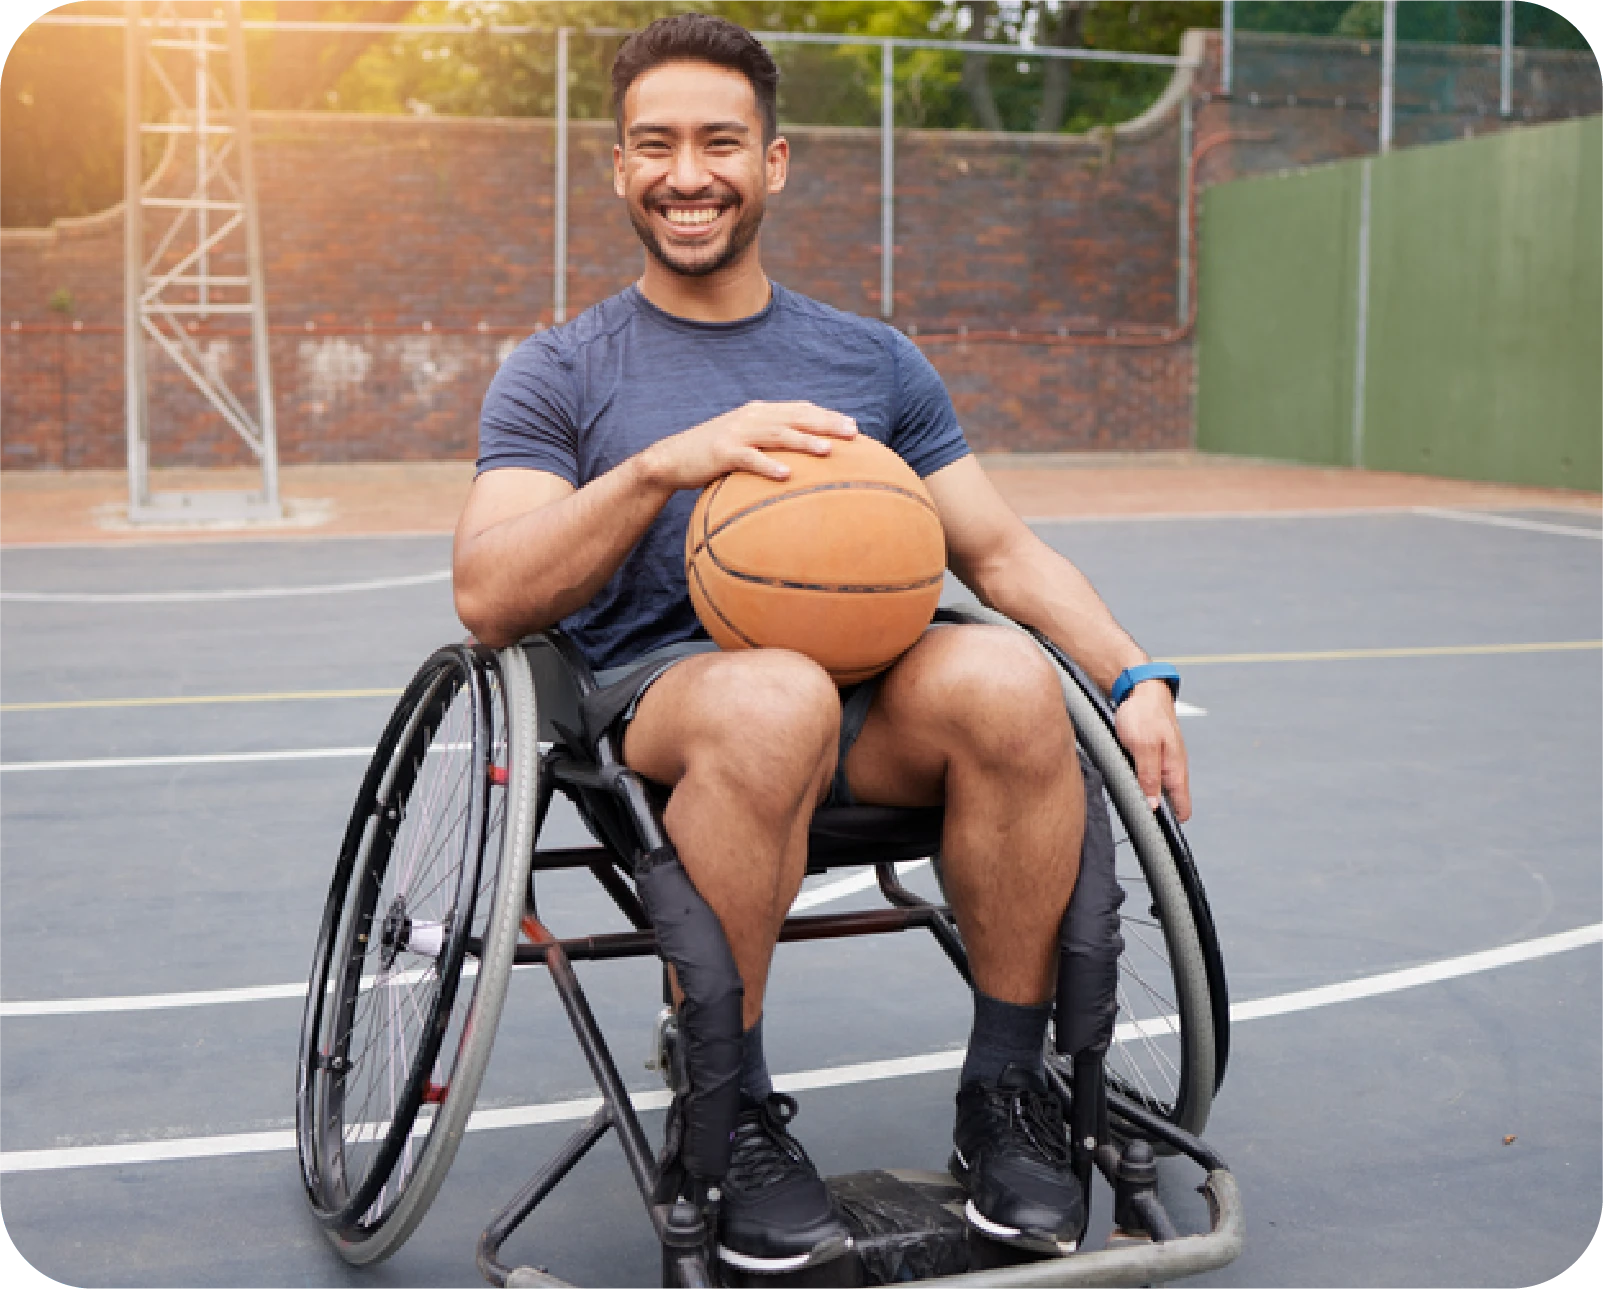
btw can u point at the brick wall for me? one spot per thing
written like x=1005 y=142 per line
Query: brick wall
x=405 y=256
x=377 y=228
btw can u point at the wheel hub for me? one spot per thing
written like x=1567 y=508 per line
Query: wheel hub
x=393 y=935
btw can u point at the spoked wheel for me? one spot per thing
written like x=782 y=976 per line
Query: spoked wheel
x=1172 y=1031
x=415 y=948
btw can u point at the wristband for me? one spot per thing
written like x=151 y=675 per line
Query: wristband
x=1130 y=677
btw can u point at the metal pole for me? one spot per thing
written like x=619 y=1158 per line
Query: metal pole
x=887 y=178
x=1182 y=291
x=1388 y=71
x=202 y=222
x=1227 y=53
x=1505 y=92
x=261 y=356
x=133 y=256
x=559 y=271
x=1361 y=339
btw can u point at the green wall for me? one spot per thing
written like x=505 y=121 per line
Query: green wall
x=1484 y=352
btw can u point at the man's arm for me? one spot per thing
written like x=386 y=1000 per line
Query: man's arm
x=530 y=548
x=1013 y=571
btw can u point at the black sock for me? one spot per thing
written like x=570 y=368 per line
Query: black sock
x=1005 y=1034
x=754 y=1080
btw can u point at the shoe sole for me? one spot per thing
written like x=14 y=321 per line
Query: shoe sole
x=825 y=1251
x=1011 y=1235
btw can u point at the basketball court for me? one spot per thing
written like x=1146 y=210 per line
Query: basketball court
x=1393 y=696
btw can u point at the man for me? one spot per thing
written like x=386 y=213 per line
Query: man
x=594 y=441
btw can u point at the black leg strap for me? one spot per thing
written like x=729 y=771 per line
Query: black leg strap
x=692 y=941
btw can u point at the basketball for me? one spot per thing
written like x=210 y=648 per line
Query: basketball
x=843 y=561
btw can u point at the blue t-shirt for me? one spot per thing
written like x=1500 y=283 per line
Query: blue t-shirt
x=580 y=399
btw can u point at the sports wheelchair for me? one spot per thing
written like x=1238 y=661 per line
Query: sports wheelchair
x=435 y=898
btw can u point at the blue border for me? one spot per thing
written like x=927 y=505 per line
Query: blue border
x=15 y=1273
x=18 y=13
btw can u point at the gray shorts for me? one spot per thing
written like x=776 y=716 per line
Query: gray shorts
x=619 y=689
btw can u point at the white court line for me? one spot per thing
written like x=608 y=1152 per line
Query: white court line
x=1508 y=521
x=194 y=597
x=144 y=1152
x=209 y=758
x=288 y=754
x=270 y=993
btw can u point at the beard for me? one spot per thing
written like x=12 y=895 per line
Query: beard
x=699 y=261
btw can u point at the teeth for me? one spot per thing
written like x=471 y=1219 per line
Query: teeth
x=689 y=218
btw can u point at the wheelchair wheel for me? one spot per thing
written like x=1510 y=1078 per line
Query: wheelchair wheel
x=1167 y=1050
x=415 y=949
x=1169 y=1043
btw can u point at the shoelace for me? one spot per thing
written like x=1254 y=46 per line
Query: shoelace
x=1034 y=1117
x=763 y=1153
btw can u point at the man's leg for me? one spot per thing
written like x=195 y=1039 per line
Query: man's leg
x=973 y=716
x=747 y=744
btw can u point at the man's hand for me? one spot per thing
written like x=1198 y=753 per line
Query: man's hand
x=740 y=440
x=1148 y=727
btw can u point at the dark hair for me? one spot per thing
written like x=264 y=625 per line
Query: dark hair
x=698 y=37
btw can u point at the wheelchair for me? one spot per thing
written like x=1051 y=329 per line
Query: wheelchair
x=435 y=898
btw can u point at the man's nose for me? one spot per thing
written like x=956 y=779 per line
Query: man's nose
x=689 y=174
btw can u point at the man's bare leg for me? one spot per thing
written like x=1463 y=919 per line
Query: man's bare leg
x=747 y=743
x=973 y=716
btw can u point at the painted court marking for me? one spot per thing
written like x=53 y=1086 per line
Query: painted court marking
x=196 y=597
x=1509 y=521
x=1193 y=660
x=578 y=1108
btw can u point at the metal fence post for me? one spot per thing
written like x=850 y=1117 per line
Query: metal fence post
x=1227 y=52
x=133 y=258
x=887 y=177
x=1505 y=88
x=1361 y=330
x=261 y=353
x=1182 y=290
x=559 y=282
x=1388 y=71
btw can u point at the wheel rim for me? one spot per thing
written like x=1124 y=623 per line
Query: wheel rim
x=386 y=981
x=1147 y=1060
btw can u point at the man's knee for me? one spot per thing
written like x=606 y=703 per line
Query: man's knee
x=769 y=717
x=1002 y=699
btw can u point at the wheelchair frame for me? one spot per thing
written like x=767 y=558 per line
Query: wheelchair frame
x=527 y=755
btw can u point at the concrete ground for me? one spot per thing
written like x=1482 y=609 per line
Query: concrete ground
x=1396 y=758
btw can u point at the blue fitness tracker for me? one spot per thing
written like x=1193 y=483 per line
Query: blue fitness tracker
x=1130 y=677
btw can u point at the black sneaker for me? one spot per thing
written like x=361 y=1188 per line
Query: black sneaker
x=777 y=1214
x=1011 y=1153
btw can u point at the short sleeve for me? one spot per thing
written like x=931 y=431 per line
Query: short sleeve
x=530 y=416
x=924 y=428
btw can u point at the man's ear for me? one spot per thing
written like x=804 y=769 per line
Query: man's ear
x=778 y=164
x=617 y=169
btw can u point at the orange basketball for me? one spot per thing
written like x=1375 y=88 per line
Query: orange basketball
x=843 y=561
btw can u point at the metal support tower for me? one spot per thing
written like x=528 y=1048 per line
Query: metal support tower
x=206 y=260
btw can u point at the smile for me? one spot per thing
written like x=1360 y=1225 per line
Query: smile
x=690 y=218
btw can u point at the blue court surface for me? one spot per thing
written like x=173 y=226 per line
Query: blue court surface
x=1396 y=744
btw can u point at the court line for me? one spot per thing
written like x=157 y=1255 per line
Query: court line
x=194 y=700
x=1192 y=660
x=808 y=899
x=209 y=758
x=578 y=1108
x=1509 y=521
x=1419 y=651
x=195 y=597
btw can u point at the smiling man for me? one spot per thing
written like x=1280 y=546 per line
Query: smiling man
x=594 y=441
